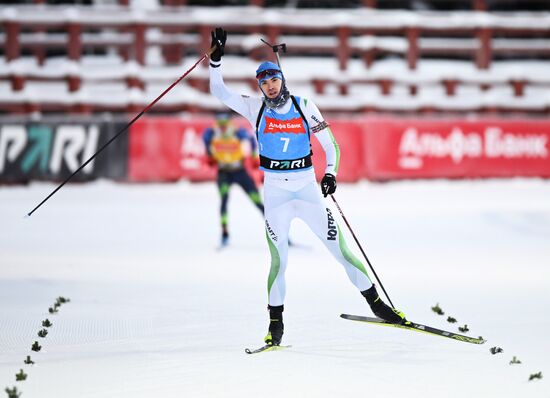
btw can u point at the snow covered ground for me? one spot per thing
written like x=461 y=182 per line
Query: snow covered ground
x=157 y=311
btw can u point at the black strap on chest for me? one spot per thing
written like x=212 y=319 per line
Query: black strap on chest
x=297 y=106
x=259 y=118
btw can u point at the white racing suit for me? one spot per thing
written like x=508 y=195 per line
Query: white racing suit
x=283 y=137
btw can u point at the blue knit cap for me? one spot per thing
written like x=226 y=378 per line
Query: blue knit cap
x=268 y=70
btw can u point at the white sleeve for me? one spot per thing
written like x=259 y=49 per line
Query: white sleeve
x=321 y=130
x=242 y=104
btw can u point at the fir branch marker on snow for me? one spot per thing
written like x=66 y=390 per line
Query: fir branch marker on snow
x=36 y=347
x=450 y=319
x=437 y=309
x=53 y=310
x=46 y=323
x=62 y=300
x=535 y=376
x=464 y=328
x=20 y=376
x=28 y=361
x=43 y=333
x=12 y=393
x=495 y=350
x=515 y=361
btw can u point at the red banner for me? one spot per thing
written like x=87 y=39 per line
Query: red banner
x=396 y=148
x=165 y=149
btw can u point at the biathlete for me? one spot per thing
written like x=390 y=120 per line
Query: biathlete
x=224 y=147
x=284 y=125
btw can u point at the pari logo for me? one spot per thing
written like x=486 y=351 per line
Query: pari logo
x=47 y=148
x=294 y=126
x=492 y=143
x=287 y=164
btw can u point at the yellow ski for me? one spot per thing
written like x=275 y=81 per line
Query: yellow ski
x=416 y=327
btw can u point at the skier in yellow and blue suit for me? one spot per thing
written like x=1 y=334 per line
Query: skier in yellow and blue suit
x=224 y=146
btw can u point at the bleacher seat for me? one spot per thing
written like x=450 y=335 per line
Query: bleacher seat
x=394 y=60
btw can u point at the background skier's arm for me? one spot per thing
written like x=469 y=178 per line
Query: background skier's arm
x=207 y=139
x=244 y=135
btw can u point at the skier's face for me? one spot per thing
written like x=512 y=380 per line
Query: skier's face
x=271 y=87
x=223 y=125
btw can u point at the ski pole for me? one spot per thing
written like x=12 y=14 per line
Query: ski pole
x=361 y=248
x=206 y=55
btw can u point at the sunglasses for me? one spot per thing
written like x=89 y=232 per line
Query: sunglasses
x=268 y=73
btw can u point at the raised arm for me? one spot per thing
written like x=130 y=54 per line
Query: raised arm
x=242 y=104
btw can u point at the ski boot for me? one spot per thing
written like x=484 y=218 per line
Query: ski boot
x=276 y=326
x=225 y=237
x=381 y=309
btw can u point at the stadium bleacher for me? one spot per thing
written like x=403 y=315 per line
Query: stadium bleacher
x=478 y=56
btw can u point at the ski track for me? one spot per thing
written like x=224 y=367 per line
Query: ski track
x=156 y=310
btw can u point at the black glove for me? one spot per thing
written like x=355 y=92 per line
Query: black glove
x=219 y=36
x=328 y=184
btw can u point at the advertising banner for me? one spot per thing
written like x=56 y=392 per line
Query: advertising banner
x=168 y=149
x=401 y=148
x=53 y=150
